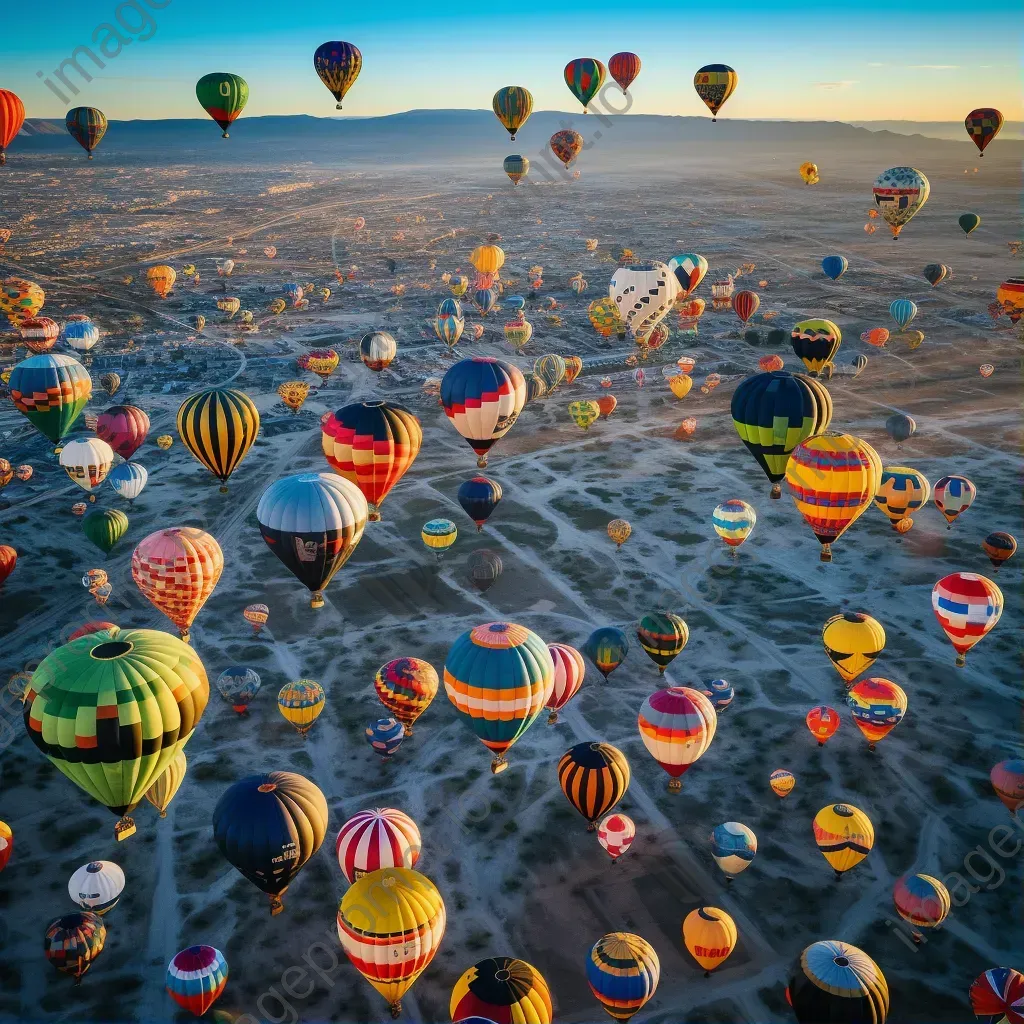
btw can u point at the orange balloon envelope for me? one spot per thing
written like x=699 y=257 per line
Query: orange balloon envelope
x=771 y=363
x=607 y=404
x=746 y=304
x=878 y=707
x=176 y=570
x=877 y=336
x=823 y=722
x=12 y=117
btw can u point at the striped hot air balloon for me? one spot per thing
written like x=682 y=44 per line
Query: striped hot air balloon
x=50 y=391
x=844 y=835
x=584 y=76
x=878 y=707
x=39 y=333
x=714 y=84
x=663 y=635
x=512 y=105
x=570 y=669
x=607 y=648
x=594 y=777
x=394 y=943
x=379 y=838
x=163 y=791
x=901 y=492
x=624 y=67
x=338 y=64
x=733 y=847
x=834 y=981
x=953 y=495
x=734 y=521
x=124 y=427
x=301 y=703
x=219 y=426
x=482 y=398
x=406 y=686
x=501 y=989
x=196 y=978
x=997 y=996
x=677 y=726
x=499 y=676
x=623 y=972
x=833 y=478
x=967 y=606
x=1007 y=779
x=922 y=901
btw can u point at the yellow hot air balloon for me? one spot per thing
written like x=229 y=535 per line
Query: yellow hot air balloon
x=584 y=413
x=809 y=173
x=230 y=305
x=710 y=936
x=218 y=426
x=301 y=703
x=833 y=478
x=619 y=531
x=487 y=259
x=20 y=300
x=161 y=279
x=680 y=384
x=162 y=792
x=844 y=835
x=852 y=640
x=390 y=923
x=164 y=441
x=293 y=393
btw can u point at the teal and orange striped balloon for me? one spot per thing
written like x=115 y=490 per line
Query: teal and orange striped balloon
x=585 y=76
x=87 y=126
x=499 y=676
x=662 y=635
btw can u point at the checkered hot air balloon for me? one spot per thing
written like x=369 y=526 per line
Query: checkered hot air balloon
x=615 y=833
x=967 y=606
x=72 y=942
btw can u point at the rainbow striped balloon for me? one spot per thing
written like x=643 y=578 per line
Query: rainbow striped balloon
x=677 y=726
x=623 y=972
x=967 y=606
x=733 y=521
x=196 y=977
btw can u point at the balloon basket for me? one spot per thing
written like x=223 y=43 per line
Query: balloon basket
x=826 y=553
x=317 y=600
x=482 y=461
x=776 y=492
x=961 y=660
x=223 y=488
x=396 y=1009
x=124 y=828
x=276 y=906
x=498 y=765
x=553 y=718
x=675 y=785
x=373 y=516
x=92 y=497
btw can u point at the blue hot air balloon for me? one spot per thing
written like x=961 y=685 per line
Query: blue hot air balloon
x=128 y=479
x=479 y=497
x=385 y=736
x=834 y=266
x=903 y=311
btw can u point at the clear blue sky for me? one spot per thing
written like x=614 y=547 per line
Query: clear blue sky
x=868 y=60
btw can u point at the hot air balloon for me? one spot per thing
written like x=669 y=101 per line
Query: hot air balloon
x=624 y=67
x=73 y=942
x=219 y=426
x=745 y=304
x=97 y=886
x=20 y=300
x=501 y=989
x=604 y=318
x=301 y=704
x=967 y=606
x=24 y=473
x=516 y=167
x=12 y=117
x=677 y=726
x=162 y=792
x=607 y=648
x=834 y=267
x=733 y=846
x=997 y=996
x=680 y=384
x=124 y=427
x=80 y=508
x=87 y=126
x=773 y=413
x=619 y=530
x=968 y=222
x=822 y=722
x=378 y=350
x=439 y=535
x=104 y=527
x=164 y=441
x=39 y=333
x=983 y=126
x=293 y=394
x=312 y=522
x=338 y=64
x=479 y=497
x=594 y=777
x=6 y=844
x=458 y=285
x=816 y=342
x=935 y=273
x=770 y=363
x=710 y=936
x=573 y=368
x=901 y=492
x=833 y=478
x=485 y=568
x=449 y=322
x=922 y=901
x=385 y=736
x=50 y=391
x=860 y=362
x=321 y=361
x=1010 y=295
x=196 y=978
x=177 y=570
x=643 y=293
x=487 y=259
x=903 y=312
x=482 y=398
x=844 y=836
x=835 y=981
x=229 y=304
x=1007 y=779
x=899 y=426
x=570 y=670
x=584 y=76
x=392 y=945
x=607 y=404
x=953 y=495
x=584 y=413
x=267 y=826
x=512 y=105
x=715 y=83
x=566 y=145
x=720 y=692
x=551 y=369
x=238 y=685
x=87 y=462
x=616 y=833
x=899 y=193
x=8 y=561
x=622 y=971
x=128 y=480
x=782 y=782
x=499 y=676
x=372 y=444
x=256 y=615
x=852 y=641
x=406 y=686
x=733 y=521
x=223 y=96
x=986 y=370
x=662 y=635
x=374 y=839
x=80 y=333
x=485 y=300
x=151 y=682
x=999 y=547
x=161 y=279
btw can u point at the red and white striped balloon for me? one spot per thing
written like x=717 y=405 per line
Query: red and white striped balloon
x=570 y=669
x=967 y=607
x=616 y=833
x=378 y=838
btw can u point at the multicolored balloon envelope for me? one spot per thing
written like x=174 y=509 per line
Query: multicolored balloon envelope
x=677 y=726
x=623 y=972
x=899 y=193
x=50 y=391
x=482 y=398
x=196 y=978
x=373 y=839
x=338 y=64
x=594 y=777
x=834 y=981
x=223 y=96
x=502 y=988
x=997 y=996
x=968 y=607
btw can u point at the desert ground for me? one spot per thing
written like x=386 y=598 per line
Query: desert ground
x=518 y=871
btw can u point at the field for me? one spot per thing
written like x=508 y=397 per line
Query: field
x=519 y=873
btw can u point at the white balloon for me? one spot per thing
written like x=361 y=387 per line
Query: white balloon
x=97 y=886
x=644 y=293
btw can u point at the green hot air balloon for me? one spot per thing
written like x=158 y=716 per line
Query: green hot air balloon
x=223 y=96
x=662 y=635
x=114 y=709
x=512 y=105
x=50 y=390
x=104 y=527
x=968 y=222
